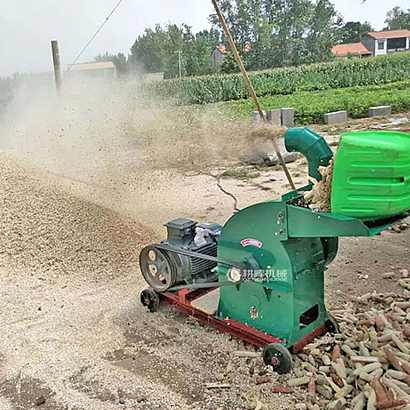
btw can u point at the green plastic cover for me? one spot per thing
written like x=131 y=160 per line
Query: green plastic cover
x=371 y=177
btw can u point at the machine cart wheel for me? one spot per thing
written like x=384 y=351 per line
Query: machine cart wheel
x=331 y=325
x=150 y=299
x=277 y=356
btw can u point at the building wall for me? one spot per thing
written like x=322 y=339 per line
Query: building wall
x=108 y=73
x=399 y=44
x=369 y=43
x=380 y=51
x=354 y=56
x=217 y=58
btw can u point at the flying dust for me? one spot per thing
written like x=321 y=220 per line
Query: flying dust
x=97 y=131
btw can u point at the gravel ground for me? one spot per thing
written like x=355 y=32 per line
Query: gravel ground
x=73 y=334
x=72 y=329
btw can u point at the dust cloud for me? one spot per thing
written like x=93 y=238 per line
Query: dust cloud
x=98 y=131
x=146 y=159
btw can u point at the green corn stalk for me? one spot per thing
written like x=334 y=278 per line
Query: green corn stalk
x=315 y=77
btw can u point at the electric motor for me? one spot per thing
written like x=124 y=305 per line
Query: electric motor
x=164 y=268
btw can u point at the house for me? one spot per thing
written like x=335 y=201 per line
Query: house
x=218 y=55
x=381 y=43
x=377 y=43
x=104 y=69
x=354 y=50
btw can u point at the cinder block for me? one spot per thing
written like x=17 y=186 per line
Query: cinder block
x=275 y=118
x=257 y=120
x=379 y=111
x=335 y=117
x=288 y=117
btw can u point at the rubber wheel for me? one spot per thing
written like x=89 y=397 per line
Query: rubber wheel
x=277 y=356
x=150 y=299
x=331 y=325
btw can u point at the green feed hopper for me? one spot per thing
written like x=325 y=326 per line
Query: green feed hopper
x=371 y=176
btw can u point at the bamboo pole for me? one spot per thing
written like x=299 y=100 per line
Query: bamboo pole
x=251 y=89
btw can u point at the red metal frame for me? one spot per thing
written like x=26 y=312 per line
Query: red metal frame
x=298 y=346
x=182 y=300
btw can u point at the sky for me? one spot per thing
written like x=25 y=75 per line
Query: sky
x=28 y=26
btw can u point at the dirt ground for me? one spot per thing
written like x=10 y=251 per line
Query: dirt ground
x=73 y=217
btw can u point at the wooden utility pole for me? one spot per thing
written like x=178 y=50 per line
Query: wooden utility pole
x=251 y=89
x=56 y=62
x=179 y=62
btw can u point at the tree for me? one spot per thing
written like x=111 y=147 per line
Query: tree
x=353 y=32
x=291 y=22
x=197 y=51
x=103 y=57
x=267 y=25
x=157 y=50
x=281 y=32
x=240 y=16
x=229 y=64
x=397 y=19
x=176 y=36
x=149 y=50
x=122 y=64
x=261 y=52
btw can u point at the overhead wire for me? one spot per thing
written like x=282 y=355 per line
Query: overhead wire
x=94 y=35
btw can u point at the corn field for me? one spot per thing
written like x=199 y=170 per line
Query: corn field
x=315 y=77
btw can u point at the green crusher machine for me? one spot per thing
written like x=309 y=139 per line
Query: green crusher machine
x=261 y=275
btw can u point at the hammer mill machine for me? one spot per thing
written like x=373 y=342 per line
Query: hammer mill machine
x=260 y=277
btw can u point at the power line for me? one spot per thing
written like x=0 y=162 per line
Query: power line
x=95 y=35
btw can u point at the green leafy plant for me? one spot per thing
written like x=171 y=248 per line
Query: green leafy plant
x=314 y=77
x=311 y=106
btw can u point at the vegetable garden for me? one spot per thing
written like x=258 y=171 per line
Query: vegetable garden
x=310 y=106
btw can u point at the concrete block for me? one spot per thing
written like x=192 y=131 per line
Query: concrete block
x=257 y=120
x=379 y=111
x=275 y=117
x=288 y=117
x=335 y=117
